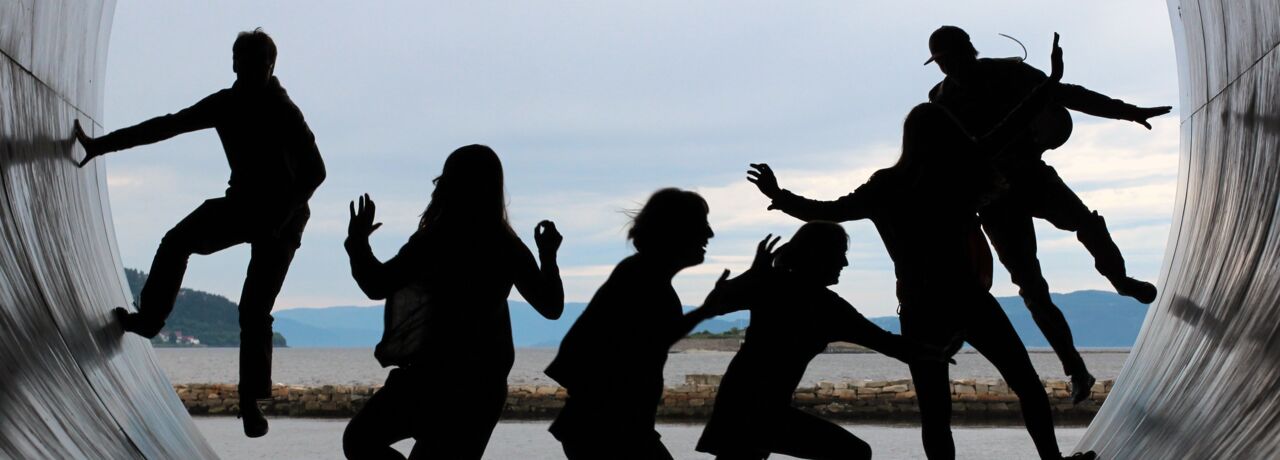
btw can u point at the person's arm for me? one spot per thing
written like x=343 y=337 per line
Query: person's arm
x=308 y=166
x=719 y=302
x=542 y=287
x=1084 y=100
x=860 y=330
x=1017 y=121
x=378 y=280
x=854 y=206
x=202 y=115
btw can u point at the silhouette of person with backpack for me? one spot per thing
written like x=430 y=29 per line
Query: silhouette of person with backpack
x=447 y=318
x=275 y=168
x=925 y=209
x=979 y=92
x=794 y=316
x=611 y=359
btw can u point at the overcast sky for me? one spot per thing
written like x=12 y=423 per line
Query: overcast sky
x=593 y=105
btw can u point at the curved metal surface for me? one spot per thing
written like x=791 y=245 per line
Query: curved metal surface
x=70 y=385
x=1203 y=380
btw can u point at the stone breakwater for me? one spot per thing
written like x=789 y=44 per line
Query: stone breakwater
x=977 y=399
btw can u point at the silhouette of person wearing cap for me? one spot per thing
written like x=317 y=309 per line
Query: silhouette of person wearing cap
x=275 y=168
x=979 y=92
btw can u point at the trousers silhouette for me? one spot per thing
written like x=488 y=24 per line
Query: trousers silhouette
x=984 y=325
x=218 y=224
x=1041 y=193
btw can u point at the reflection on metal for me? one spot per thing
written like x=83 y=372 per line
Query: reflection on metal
x=1203 y=380
x=70 y=385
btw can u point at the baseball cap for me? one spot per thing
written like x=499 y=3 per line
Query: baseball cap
x=947 y=40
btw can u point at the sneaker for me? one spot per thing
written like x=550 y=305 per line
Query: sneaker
x=135 y=323
x=1141 y=291
x=1081 y=386
x=255 y=423
x=1081 y=456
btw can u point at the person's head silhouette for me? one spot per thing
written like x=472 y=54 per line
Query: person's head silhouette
x=816 y=253
x=469 y=190
x=672 y=227
x=950 y=48
x=930 y=134
x=253 y=57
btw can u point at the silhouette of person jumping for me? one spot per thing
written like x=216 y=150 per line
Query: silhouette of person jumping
x=979 y=92
x=925 y=209
x=447 y=318
x=275 y=168
x=794 y=316
x=611 y=359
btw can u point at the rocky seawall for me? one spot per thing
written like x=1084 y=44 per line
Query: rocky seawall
x=971 y=399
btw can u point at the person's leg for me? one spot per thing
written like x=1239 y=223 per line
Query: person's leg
x=1012 y=233
x=933 y=386
x=208 y=229
x=386 y=418
x=267 y=268
x=991 y=333
x=1058 y=204
x=460 y=427
x=268 y=264
x=802 y=435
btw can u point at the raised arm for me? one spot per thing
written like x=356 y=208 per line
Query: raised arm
x=854 y=206
x=375 y=278
x=199 y=116
x=542 y=287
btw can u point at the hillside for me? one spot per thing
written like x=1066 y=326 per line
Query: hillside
x=1098 y=320
x=211 y=318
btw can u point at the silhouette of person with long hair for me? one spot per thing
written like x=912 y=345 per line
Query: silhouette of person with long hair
x=925 y=209
x=611 y=359
x=979 y=92
x=275 y=168
x=447 y=318
x=794 y=316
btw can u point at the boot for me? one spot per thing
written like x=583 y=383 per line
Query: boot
x=135 y=323
x=1081 y=386
x=1139 y=290
x=255 y=422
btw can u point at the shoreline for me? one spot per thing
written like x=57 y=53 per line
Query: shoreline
x=973 y=400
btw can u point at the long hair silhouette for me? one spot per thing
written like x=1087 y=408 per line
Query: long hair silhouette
x=470 y=189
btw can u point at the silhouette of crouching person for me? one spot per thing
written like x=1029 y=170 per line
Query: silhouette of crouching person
x=446 y=317
x=275 y=168
x=611 y=360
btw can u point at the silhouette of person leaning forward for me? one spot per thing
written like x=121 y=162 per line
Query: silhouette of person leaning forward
x=611 y=359
x=447 y=318
x=275 y=167
x=979 y=92
x=925 y=209
x=794 y=316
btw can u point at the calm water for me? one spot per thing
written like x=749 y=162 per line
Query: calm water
x=321 y=366
x=322 y=439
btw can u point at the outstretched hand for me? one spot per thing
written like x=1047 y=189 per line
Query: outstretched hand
x=361 y=225
x=1055 y=58
x=716 y=303
x=547 y=238
x=765 y=180
x=90 y=147
x=765 y=252
x=1141 y=114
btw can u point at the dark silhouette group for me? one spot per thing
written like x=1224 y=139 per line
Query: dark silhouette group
x=971 y=160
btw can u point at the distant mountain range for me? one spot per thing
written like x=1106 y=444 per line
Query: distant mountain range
x=1098 y=319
